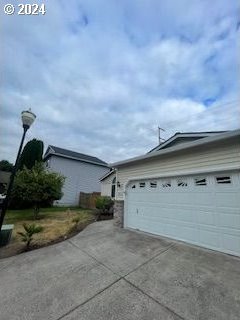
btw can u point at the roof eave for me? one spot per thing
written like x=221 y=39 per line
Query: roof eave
x=185 y=135
x=73 y=158
x=107 y=175
x=187 y=145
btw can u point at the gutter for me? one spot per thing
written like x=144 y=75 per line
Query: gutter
x=76 y=159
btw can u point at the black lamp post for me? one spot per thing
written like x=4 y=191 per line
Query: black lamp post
x=27 y=120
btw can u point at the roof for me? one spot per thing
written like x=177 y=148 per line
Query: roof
x=107 y=174
x=56 y=151
x=185 y=136
x=180 y=147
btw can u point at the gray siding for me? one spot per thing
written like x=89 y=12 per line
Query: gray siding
x=80 y=176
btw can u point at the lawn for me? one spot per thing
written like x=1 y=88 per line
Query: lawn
x=58 y=224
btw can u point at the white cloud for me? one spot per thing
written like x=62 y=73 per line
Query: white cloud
x=101 y=76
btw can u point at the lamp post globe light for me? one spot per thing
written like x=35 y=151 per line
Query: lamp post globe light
x=28 y=118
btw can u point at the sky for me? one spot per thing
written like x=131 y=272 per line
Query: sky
x=102 y=75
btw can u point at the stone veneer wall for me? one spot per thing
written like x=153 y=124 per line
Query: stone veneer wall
x=118 y=213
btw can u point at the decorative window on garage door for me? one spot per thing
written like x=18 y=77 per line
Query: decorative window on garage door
x=166 y=184
x=223 y=180
x=153 y=184
x=182 y=183
x=142 y=184
x=200 y=181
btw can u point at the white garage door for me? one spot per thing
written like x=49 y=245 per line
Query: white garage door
x=203 y=210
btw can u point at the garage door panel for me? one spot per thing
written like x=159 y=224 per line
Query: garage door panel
x=175 y=212
x=229 y=220
x=170 y=230
x=202 y=198
x=189 y=233
x=231 y=243
x=209 y=238
x=184 y=215
x=207 y=215
x=207 y=218
x=228 y=199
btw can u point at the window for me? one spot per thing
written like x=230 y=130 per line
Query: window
x=223 y=180
x=153 y=184
x=134 y=186
x=142 y=184
x=182 y=183
x=166 y=184
x=113 y=191
x=200 y=182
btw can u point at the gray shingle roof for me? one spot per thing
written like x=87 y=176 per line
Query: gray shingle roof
x=202 y=134
x=74 y=155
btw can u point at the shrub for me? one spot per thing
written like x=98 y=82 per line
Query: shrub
x=29 y=231
x=104 y=205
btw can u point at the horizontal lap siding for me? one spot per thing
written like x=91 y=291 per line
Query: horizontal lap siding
x=106 y=186
x=210 y=158
x=106 y=189
x=80 y=177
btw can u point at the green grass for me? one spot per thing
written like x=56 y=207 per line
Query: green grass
x=27 y=214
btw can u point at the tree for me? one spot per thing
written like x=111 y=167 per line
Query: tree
x=32 y=153
x=37 y=186
x=6 y=166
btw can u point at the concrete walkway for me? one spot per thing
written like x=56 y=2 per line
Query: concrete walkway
x=108 y=273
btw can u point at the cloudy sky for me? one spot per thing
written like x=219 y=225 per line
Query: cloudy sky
x=101 y=75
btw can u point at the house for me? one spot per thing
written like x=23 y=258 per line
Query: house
x=82 y=172
x=108 y=184
x=4 y=180
x=187 y=188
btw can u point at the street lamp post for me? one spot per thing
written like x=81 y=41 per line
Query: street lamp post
x=28 y=118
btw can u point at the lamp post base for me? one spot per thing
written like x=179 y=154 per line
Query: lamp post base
x=6 y=234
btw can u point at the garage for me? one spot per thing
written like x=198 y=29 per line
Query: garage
x=200 y=209
x=186 y=188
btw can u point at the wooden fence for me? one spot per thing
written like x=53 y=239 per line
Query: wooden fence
x=87 y=200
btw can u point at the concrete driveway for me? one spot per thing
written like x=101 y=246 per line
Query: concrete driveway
x=109 y=273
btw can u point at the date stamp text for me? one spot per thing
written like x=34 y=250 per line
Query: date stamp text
x=25 y=9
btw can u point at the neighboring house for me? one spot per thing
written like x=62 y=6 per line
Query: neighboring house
x=108 y=184
x=4 y=180
x=82 y=172
x=187 y=188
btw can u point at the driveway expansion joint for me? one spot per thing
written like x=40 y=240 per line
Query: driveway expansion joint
x=218 y=272
x=123 y=278
x=86 y=301
x=155 y=300
x=150 y=259
x=101 y=263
